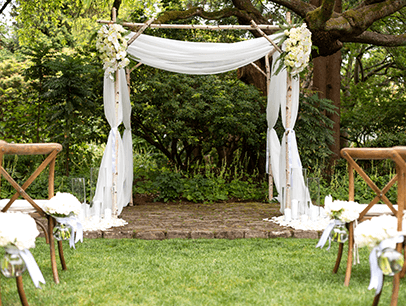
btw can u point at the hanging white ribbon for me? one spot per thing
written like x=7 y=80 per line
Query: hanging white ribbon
x=76 y=228
x=376 y=281
x=32 y=266
x=326 y=234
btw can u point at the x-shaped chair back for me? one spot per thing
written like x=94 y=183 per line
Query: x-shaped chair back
x=50 y=150
x=398 y=155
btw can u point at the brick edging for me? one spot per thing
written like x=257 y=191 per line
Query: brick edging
x=198 y=234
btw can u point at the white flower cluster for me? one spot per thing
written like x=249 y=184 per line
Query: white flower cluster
x=112 y=45
x=372 y=232
x=62 y=205
x=17 y=229
x=297 y=46
x=345 y=211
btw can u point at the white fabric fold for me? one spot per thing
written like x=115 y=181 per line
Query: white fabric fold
x=376 y=281
x=31 y=264
x=326 y=234
x=76 y=229
x=198 y=57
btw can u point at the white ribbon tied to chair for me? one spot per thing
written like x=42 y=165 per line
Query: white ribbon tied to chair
x=376 y=281
x=32 y=266
x=76 y=228
x=326 y=234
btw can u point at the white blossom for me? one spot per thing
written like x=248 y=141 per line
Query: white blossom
x=17 y=229
x=112 y=47
x=346 y=211
x=297 y=47
x=62 y=205
x=371 y=232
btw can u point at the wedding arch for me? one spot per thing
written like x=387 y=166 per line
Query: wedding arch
x=115 y=177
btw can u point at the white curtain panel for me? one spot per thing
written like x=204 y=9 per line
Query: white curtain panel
x=122 y=159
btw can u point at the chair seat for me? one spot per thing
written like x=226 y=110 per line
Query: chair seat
x=377 y=210
x=22 y=205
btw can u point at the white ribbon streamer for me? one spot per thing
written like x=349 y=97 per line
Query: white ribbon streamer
x=75 y=226
x=326 y=234
x=32 y=266
x=376 y=281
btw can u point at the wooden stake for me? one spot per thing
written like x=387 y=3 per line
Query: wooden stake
x=114 y=208
x=267 y=27
x=265 y=36
x=288 y=119
x=268 y=84
x=140 y=31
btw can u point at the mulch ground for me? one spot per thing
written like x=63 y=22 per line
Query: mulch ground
x=230 y=220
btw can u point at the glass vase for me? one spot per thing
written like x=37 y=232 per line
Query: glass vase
x=62 y=232
x=12 y=265
x=339 y=233
x=390 y=261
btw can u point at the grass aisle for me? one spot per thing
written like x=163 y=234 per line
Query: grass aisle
x=198 y=272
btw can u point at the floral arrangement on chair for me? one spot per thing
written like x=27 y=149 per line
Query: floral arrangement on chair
x=380 y=235
x=18 y=232
x=341 y=212
x=112 y=45
x=296 y=46
x=65 y=208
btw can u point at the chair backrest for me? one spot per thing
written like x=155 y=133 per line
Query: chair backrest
x=48 y=149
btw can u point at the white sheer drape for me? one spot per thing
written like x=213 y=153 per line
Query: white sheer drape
x=122 y=159
x=277 y=150
x=198 y=58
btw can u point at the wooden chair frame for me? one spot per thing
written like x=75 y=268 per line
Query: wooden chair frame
x=51 y=150
x=398 y=155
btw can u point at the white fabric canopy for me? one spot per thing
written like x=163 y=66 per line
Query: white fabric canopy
x=190 y=58
x=198 y=58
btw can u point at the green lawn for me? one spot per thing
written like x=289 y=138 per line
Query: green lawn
x=198 y=272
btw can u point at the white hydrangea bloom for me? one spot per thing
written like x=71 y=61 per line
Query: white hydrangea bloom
x=372 y=232
x=112 y=47
x=63 y=205
x=17 y=229
x=346 y=211
x=297 y=47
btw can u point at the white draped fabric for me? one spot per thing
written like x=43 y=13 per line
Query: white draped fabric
x=112 y=161
x=190 y=58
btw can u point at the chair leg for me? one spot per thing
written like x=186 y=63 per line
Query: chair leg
x=376 y=299
x=339 y=255
x=403 y=272
x=349 y=258
x=395 y=290
x=21 y=293
x=39 y=223
x=61 y=257
x=52 y=249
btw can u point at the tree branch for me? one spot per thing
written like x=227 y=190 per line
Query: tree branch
x=377 y=39
x=4 y=6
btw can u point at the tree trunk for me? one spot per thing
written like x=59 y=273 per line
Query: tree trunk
x=327 y=82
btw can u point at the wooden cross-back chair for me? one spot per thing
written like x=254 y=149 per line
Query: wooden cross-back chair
x=50 y=151
x=398 y=155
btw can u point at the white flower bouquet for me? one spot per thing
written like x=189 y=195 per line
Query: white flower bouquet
x=17 y=229
x=112 y=45
x=62 y=205
x=296 y=46
x=371 y=233
x=345 y=211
